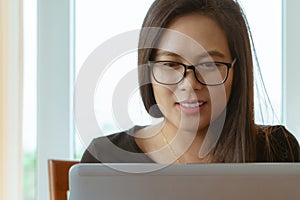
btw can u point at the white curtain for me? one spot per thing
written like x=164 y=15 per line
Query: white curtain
x=11 y=72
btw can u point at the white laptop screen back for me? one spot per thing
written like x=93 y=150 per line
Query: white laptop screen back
x=185 y=182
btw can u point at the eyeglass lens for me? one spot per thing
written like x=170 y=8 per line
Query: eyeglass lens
x=209 y=73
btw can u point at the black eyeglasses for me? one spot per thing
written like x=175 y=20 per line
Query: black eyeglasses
x=206 y=73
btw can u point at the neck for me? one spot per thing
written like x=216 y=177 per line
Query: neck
x=180 y=135
x=165 y=143
x=183 y=144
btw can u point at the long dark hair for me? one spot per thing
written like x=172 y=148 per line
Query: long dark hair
x=237 y=140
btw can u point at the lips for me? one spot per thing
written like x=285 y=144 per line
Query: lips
x=191 y=106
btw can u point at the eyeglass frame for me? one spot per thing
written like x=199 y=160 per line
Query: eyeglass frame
x=192 y=67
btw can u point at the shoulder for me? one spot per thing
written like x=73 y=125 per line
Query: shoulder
x=276 y=144
x=117 y=147
x=121 y=140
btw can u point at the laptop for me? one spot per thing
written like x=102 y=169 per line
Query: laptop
x=255 y=181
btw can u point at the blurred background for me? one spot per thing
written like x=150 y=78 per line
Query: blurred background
x=43 y=47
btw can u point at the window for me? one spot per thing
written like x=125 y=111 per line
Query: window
x=268 y=44
x=29 y=100
x=96 y=23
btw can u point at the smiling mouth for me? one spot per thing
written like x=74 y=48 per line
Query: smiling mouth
x=191 y=105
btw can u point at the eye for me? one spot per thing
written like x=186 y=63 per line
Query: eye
x=170 y=64
x=209 y=65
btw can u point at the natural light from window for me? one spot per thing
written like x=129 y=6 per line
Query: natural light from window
x=29 y=99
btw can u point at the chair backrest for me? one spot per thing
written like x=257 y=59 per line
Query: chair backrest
x=58 y=172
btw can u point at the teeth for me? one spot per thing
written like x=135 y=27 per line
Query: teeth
x=192 y=105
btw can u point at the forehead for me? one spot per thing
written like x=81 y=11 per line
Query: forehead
x=194 y=36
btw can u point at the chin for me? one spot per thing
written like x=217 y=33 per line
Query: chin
x=189 y=124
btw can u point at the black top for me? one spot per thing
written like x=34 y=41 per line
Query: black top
x=122 y=148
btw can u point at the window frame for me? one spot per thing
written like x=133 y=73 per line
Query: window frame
x=290 y=66
x=55 y=83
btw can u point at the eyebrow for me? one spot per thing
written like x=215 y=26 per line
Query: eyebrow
x=167 y=53
x=213 y=53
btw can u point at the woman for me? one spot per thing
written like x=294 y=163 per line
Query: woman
x=198 y=76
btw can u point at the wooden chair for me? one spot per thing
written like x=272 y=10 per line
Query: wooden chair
x=58 y=172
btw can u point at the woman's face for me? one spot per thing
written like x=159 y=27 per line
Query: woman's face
x=190 y=105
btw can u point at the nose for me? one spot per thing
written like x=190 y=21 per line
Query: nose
x=190 y=81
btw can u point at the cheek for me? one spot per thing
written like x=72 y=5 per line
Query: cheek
x=219 y=96
x=162 y=92
x=163 y=96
